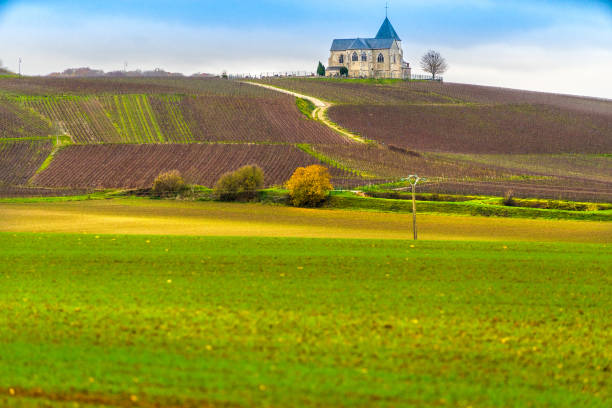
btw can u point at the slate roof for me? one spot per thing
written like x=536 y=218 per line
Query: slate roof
x=387 y=31
x=384 y=40
x=362 y=44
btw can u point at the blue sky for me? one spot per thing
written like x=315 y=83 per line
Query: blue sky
x=559 y=46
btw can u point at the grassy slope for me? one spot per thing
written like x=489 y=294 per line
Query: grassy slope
x=182 y=320
x=142 y=216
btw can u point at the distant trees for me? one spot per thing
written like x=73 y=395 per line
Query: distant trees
x=241 y=184
x=320 y=69
x=2 y=68
x=432 y=62
x=309 y=186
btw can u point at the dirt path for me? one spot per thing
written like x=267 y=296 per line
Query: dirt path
x=319 y=113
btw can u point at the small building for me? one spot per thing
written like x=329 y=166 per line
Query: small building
x=379 y=57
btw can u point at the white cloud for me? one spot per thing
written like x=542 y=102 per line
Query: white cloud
x=573 y=59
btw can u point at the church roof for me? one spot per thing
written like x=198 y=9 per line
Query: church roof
x=362 y=44
x=384 y=40
x=358 y=44
x=387 y=31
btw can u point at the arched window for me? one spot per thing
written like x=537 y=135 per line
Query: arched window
x=364 y=57
x=394 y=59
x=381 y=58
x=355 y=57
x=341 y=59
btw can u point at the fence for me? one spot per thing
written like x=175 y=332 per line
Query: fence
x=426 y=78
x=306 y=74
x=285 y=74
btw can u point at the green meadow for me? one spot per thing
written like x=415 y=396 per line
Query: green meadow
x=189 y=321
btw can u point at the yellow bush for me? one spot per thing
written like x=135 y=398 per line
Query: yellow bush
x=309 y=186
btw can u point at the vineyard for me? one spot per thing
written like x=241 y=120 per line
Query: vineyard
x=385 y=163
x=398 y=92
x=136 y=166
x=83 y=119
x=472 y=139
x=143 y=118
x=554 y=188
x=271 y=120
x=171 y=121
x=37 y=86
x=16 y=122
x=509 y=129
x=20 y=160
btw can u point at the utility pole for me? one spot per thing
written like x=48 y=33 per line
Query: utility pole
x=414 y=180
x=19 y=66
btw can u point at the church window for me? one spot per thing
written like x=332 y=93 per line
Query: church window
x=364 y=56
x=394 y=59
x=381 y=58
x=341 y=59
x=355 y=57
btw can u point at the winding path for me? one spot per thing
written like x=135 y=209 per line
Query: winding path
x=319 y=113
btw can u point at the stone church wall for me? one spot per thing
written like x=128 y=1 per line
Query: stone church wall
x=390 y=68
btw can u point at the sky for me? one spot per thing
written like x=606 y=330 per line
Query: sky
x=560 y=46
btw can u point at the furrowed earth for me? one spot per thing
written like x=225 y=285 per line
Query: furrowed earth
x=466 y=139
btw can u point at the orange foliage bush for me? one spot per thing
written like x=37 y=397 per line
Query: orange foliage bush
x=309 y=186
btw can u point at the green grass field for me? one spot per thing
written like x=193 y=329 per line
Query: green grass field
x=141 y=320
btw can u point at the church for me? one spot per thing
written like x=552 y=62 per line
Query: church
x=379 y=57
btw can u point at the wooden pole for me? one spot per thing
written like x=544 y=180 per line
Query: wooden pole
x=414 y=221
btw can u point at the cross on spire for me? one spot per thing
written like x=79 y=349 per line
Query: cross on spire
x=387 y=9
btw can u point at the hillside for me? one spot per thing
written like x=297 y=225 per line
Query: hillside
x=465 y=139
x=101 y=121
x=534 y=143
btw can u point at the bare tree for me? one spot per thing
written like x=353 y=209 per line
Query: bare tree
x=433 y=63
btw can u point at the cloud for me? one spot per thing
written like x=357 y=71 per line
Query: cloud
x=540 y=45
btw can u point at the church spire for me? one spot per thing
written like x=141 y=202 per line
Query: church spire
x=387 y=31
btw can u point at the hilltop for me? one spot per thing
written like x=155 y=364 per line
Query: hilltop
x=86 y=72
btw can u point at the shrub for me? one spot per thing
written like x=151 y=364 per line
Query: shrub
x=309 y=186
x=509 y=199
x=169 y=184
x=344 y=71
x=241 y=184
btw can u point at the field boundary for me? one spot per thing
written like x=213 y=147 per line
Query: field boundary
x=319 y=113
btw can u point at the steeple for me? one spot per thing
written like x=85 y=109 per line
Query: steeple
x=387 y=31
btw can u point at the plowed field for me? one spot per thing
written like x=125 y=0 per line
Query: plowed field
x=135 y=166
x=20 y=160
x=17 y=122
x=497 y=129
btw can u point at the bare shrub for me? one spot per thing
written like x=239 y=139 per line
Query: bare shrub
x=509 y=199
